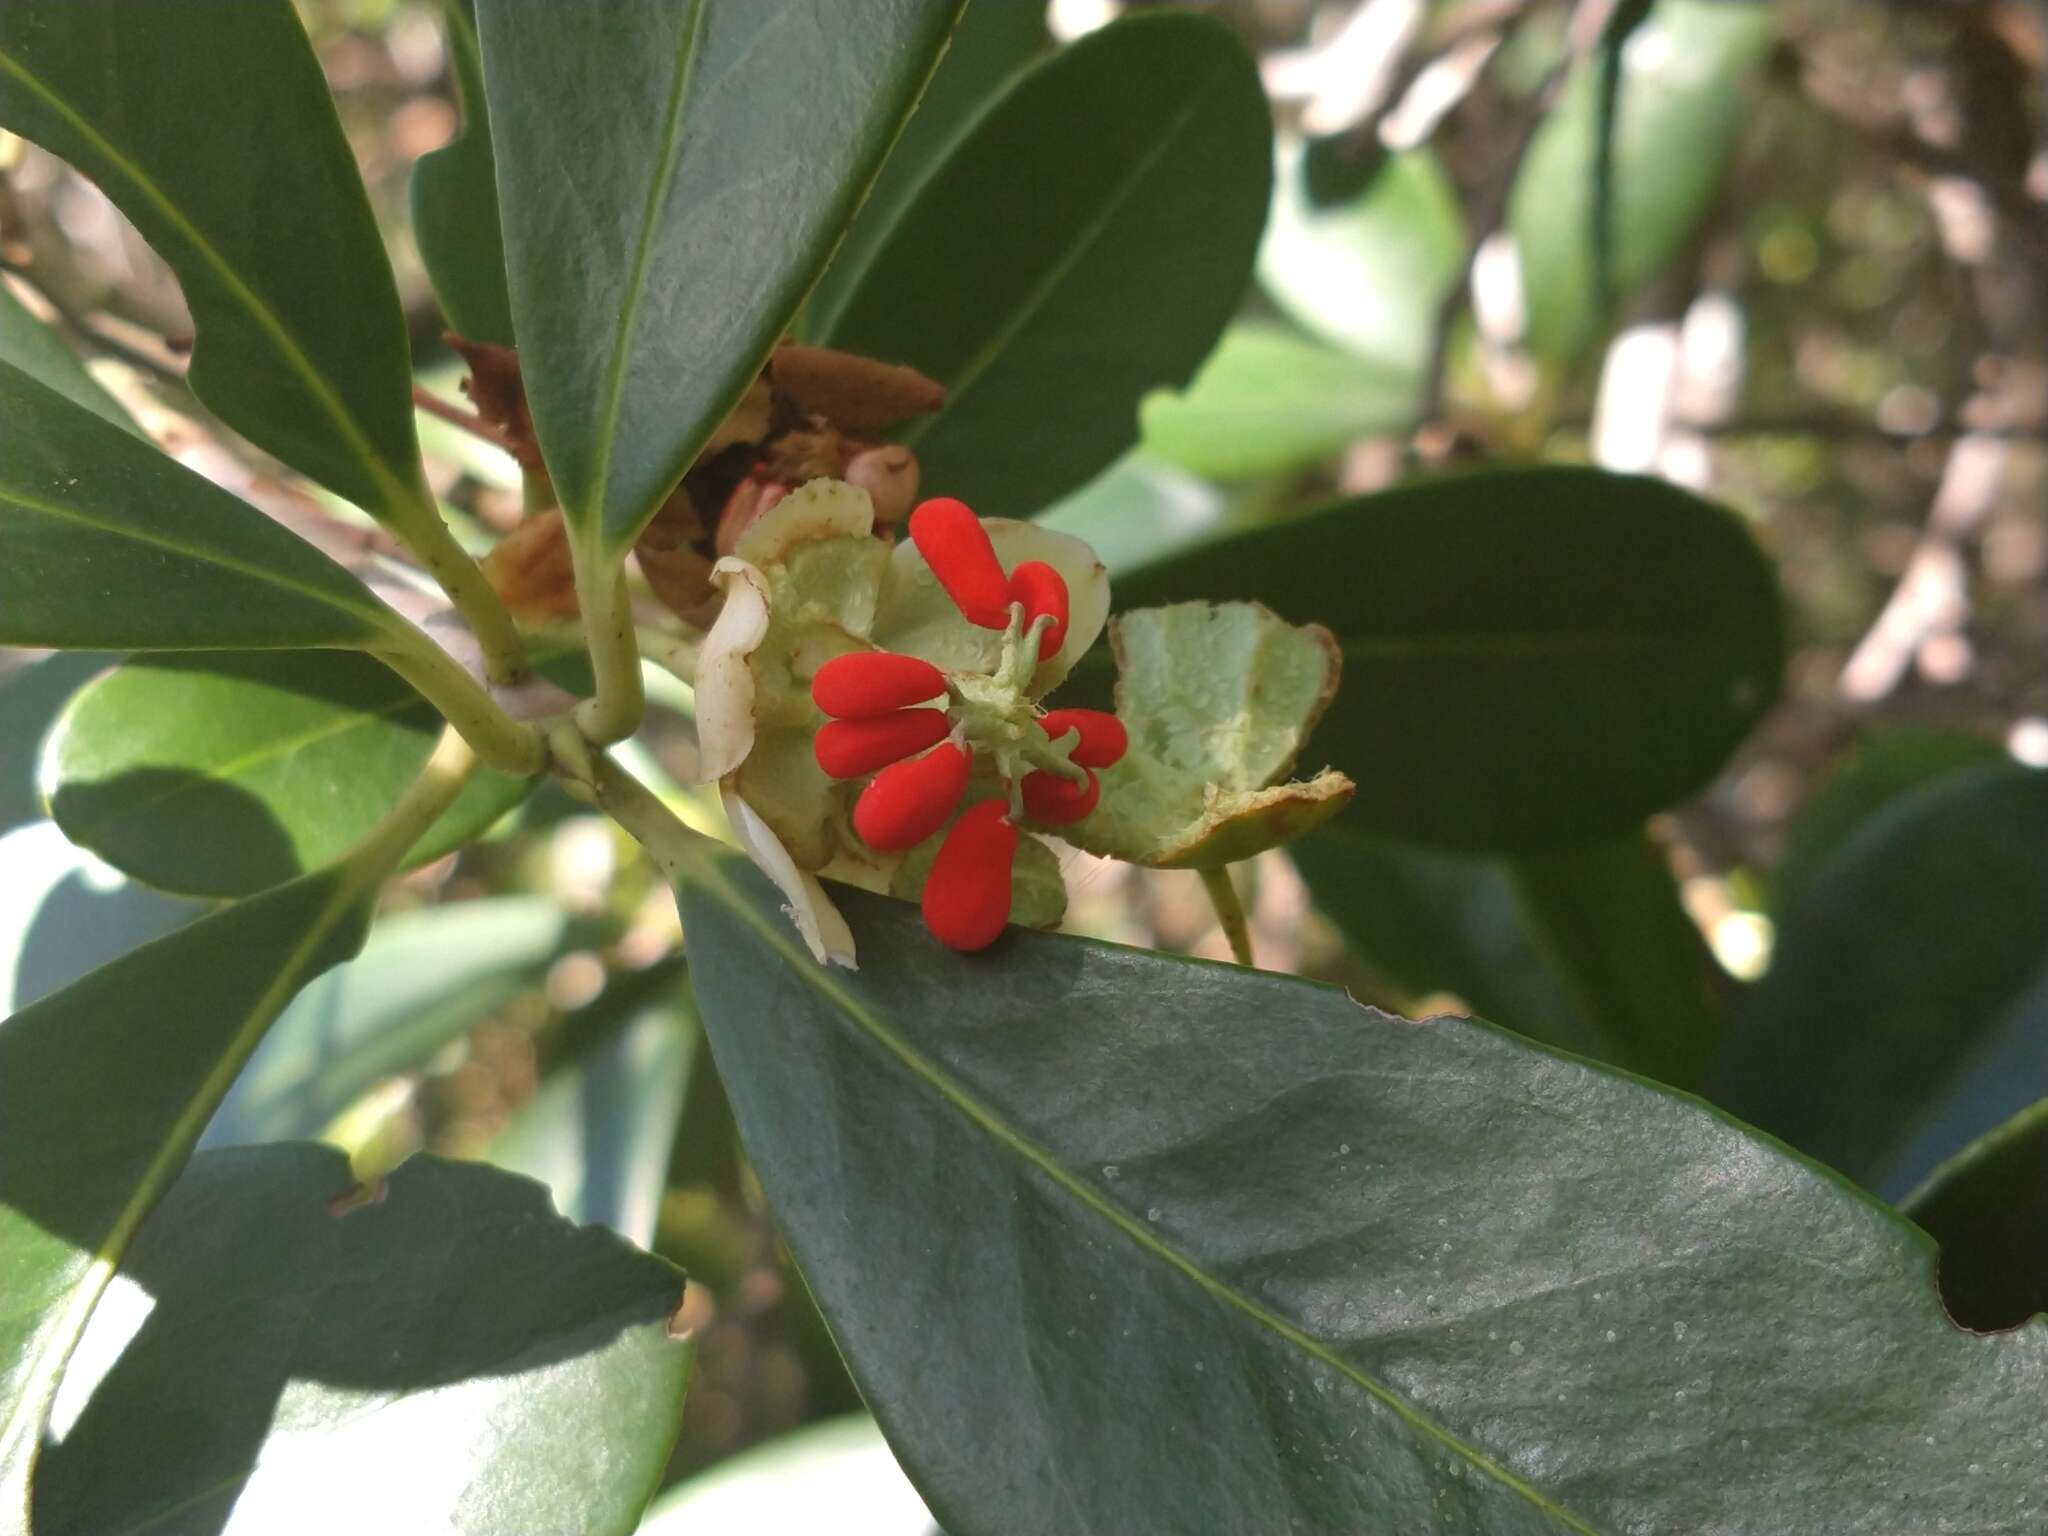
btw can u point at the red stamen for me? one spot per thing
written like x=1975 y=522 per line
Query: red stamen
x=967 y=894
x=1103 y=737
x=846 y=749
x=957 y=548
x=909 y=801
x=1042 y=590
x=868 y=683
x=1056 y=801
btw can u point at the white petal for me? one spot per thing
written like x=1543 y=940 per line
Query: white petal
x=817 y=509
x=725 y=684
x=824 y=930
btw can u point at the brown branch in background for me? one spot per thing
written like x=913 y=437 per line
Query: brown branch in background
x=121 y=340
x=455 y=415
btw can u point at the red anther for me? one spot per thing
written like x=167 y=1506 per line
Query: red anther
x=863 y=684
x=846 y=749
x=967 y=894
x=1041 y=590
x=956 y=547
x=1103 y=738
x=1056 y=801
x=909 y=801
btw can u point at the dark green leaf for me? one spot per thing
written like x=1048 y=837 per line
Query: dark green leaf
x=1531 y=657
x=1988 y=1208
x=1267 y=400
x=301 y=346
x=219 y=774
x=455 y=201
x=1683 y=103
x=422 y=979
x=111 y=545
x=1115 y=1241
x=449 y=1356
x=1876 y=774
x=1430 y=922
x=1909 y=951
x=137 y=1054
x=64 y=914
x=673 y=176
x=28 y=344
x=1086 y=242
x=31 y=698
x=1367 y=271
x=600 y=1130
x=837 y=1475
x=1607 y=918
x=994 y=42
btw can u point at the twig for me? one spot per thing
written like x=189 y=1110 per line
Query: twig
x=456 y=416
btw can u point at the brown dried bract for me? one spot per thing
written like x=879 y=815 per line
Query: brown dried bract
x=494 y=386
x=858 y=394
x=532 y=572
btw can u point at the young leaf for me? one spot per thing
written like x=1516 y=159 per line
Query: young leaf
x=110 y=545
x=1084 y=243
x=422 y=979
x=995 y=41
x=673 y=175
x=1115 y=1241
x=1531 y=657
x=28 y=344
x=1682 y=106
x=160 y=1034
x=1269 y=400
x=450 y=1355
x=1985 y=1207
x=221 y=773
x=301 y=347
x=1367 y=271
x=1913 y=950
x=455 y=200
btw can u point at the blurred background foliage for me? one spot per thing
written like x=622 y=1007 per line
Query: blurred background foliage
x=1819 y=299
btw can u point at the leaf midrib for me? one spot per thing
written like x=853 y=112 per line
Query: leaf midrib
x=643 y=257
x=399 y=496
x=366 y=613
x=964 y=379
x=963 y=1100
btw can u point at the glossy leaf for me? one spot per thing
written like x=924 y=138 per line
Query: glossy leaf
x=31 y=698
x=837 y=1475
x=28 y=344
x=1089 y=1281
x=159 y=1033
x=1607 y=918
x=1876 y=773
x=1531 y=657
x=218 y=774
x=1366 y=271
x=599 y=1131
x=1903 y=967
x=1429 y=922
x=422 y=979
x=111 y=545
x=1988 y=1209
x=1086 y=242
x=455 y=200
x=1268 y=400
x=301 y=346
x=448 y=1356
x=994 y=42
x=1686 y=76
x=64 y=914
x=650 y=282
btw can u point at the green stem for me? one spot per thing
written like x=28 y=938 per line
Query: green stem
x=1229 y=907
x=672 y=653
x=614 y=712
x=385 y=846
x=512 y=746
x=675 y=849
x=463 y=580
